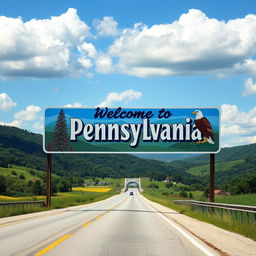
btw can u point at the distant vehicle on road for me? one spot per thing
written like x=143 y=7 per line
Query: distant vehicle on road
x=131 y=193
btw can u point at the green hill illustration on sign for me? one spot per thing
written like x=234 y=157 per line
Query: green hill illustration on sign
x=128 y=130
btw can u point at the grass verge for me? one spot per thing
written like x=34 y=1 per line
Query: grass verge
x=224 y=221
x=61 y=200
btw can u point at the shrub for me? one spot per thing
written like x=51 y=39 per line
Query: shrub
x=153 y=185
x=168 y=185
x=183 y=193
x=22 y=177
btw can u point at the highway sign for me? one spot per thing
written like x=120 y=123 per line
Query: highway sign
x=130 y=130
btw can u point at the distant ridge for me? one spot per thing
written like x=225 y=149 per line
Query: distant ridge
x=23 y=148
x=227 y=154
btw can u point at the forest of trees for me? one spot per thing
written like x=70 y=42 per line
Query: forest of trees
x=242 y=185
x=22 y=148
x=17 y=185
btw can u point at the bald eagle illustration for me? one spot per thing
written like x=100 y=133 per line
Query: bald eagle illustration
x=204 y=126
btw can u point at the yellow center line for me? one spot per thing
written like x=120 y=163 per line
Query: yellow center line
x=87 y=223
x=51 y=246
x=101 y=215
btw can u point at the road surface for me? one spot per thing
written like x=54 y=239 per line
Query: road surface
x=122 y=225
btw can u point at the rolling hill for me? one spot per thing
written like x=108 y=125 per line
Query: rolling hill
x=23 y=148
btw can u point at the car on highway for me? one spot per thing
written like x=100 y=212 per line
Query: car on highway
x=131 y=193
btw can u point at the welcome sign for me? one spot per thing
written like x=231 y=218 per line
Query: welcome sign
x=130 y=130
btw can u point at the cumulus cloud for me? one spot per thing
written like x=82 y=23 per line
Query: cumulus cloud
x=6 y=102
x=106 y=27
x=30 y=113
x=125 y=97
x=74 y=105
x=87 y=49
x=43 y=48
x=237 y=127
x=103 y=64
x=249 y=87
x=38 y=126
x=194 y=44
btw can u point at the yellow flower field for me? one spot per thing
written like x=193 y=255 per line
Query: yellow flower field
x=20 y=198
x=92 y=189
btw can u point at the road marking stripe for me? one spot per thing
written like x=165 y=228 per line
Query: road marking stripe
x=87 y=223
x=103 y=214
x=51 y=246
x=185 y=234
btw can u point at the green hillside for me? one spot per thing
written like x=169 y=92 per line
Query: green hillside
x=203 y=170
x=21 y=148
x=227 y=154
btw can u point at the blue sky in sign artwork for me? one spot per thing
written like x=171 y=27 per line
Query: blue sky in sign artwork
x=130 y=54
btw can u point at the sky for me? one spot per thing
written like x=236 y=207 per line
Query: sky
x=88 y=53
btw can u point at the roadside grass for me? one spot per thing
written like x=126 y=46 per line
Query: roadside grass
x=61 y=200
x=225 y=221
x=80 y=197
x=245 y=199
x=7 y=211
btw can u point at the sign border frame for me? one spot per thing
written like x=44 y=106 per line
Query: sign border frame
x=129 y=152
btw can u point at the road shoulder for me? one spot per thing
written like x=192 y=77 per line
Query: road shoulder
x=225 y=242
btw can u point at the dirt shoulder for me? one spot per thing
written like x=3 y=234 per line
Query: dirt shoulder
x=225 y=242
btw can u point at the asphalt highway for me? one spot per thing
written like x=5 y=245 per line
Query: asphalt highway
x=122 y=225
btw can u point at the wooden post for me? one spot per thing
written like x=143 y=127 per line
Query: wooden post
x=48 y=181
x=212 y=177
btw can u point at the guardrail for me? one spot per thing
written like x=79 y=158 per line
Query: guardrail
x=39 y=203
x=242 y=212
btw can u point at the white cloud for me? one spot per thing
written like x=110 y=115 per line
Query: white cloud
x=30 y=113
x=103 y=64
x=194 y=44
x=125 y=97
x=74 y=105
x=88 y=49
x=16 y=123
x=249 y=87
x=6 y=102
x=245 y=140
x=237 y=127
x=42 y=48
x=106 y=27
x=38 y=126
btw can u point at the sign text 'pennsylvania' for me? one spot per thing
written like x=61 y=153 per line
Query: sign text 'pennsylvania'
x=130 y=130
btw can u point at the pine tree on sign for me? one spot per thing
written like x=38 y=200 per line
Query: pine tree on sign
x=61 y=140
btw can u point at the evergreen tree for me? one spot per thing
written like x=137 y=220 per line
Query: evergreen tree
x=61 y=140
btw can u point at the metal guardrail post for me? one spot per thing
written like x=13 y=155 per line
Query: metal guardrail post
x=241 y=213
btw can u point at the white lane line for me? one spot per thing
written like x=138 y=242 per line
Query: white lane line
x=185 y=234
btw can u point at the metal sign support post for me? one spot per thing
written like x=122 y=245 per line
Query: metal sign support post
x=48 y=181
x=212 y=177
